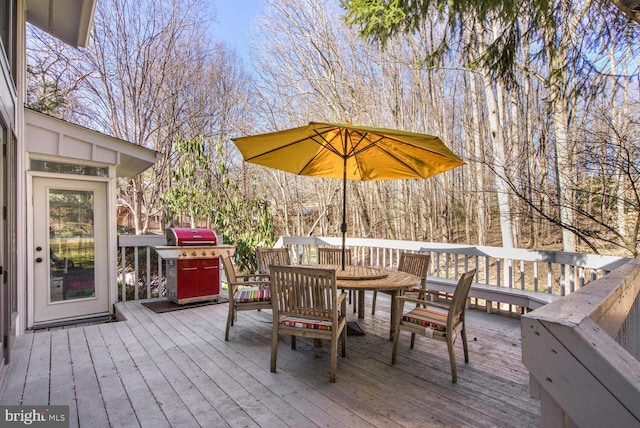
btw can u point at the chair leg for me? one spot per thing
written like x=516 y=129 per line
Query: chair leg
x=396 y=338
x=413 y=340
x=344 y=341
x=452 y=359
x=464 y=345
x=293 y=342
x=229 y=321
x=373 y=304
x=334 y=359
x=396 y=329
x=274 y=350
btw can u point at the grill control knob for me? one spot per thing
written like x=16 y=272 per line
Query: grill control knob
x=213 y=252
x=184 y=253
x=193 y=253
x=204 y=252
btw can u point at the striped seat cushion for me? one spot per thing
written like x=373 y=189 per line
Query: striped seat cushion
x=306 y=323
x=434 y=318
x=253 y=294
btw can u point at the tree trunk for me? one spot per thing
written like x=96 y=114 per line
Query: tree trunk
x=476 y=166
x=499 y=158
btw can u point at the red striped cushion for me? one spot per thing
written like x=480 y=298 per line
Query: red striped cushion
x=253 y=294
x=431 y=317
x=306 y=323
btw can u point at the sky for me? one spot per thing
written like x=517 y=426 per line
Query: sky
x=234 y=19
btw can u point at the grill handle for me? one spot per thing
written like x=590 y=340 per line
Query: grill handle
x=197 y=243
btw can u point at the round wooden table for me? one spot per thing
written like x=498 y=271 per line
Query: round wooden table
x=362 y=278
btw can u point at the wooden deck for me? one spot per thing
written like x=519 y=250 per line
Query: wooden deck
x=175 y=369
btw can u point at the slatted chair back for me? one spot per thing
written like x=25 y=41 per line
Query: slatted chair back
x=333 y=256
x=306 y=303
x=272 y=256
x=305 y=292
x=415 y=264
x=459 y=300
x=229 y=270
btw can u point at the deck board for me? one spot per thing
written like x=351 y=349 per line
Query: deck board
x=14 y=382
x=38 y=371
x=61 y=384
x=89 y=403
x=175 y=369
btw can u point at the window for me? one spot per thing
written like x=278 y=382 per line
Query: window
x=68 y=168
x=8 y=33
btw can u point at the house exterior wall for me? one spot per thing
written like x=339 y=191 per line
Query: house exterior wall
x=10 y=232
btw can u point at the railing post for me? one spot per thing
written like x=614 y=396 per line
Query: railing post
x=123 y=274
x=160 y=283
x=487 y=268
x=136 y=270
x=148 y=272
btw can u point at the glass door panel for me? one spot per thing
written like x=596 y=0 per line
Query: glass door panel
x=71 y=244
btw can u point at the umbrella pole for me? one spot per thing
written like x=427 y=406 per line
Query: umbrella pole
x=344 y=209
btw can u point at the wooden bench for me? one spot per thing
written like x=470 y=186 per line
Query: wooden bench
x=494 y=293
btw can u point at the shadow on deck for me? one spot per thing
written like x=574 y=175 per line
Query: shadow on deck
x=175 y=369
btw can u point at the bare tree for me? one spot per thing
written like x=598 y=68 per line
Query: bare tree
x=151 y=75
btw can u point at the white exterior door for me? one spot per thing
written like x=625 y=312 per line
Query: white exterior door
x=70 y=249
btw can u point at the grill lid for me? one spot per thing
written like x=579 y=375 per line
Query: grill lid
x=190 y=237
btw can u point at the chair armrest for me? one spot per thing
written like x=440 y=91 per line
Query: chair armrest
x=250 y=283
x=259 y=276
x=439 y=294
x=342 y=302
x=341 y=297
x=410 y=299
x=421 y=302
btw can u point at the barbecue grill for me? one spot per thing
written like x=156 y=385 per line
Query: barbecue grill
x=193 y=265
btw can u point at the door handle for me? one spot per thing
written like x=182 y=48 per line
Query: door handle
x=39 y=260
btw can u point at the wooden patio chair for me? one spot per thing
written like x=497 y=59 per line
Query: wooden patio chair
x=246 y=292
x=333 y=256
x=416 y=264
x=306 y=303
x=272 y=256
x=436 y=320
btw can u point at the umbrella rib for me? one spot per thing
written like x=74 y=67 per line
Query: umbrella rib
x=326 y=144
x=249 y=159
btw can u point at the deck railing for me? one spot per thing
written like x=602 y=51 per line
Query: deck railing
x=583 y=353
x=550 y=272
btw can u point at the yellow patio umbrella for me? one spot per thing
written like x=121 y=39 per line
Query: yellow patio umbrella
x=350 y=152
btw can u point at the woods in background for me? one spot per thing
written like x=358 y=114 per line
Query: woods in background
x=546 y=115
